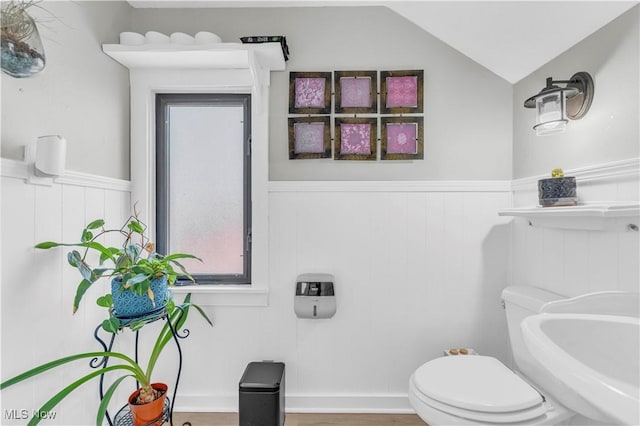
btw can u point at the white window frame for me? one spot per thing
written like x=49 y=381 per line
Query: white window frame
x=145 y=83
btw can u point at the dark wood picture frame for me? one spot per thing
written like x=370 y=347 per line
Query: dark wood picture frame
x=389 y=149
x=306 y=96
x=342 y=154
x=354 y=105
x=402 y=92
x=324 y=152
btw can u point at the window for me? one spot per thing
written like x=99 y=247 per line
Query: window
x=203 y=183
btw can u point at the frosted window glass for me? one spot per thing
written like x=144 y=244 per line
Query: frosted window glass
x=206 y=187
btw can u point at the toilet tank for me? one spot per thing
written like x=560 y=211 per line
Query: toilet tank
x=521 y=302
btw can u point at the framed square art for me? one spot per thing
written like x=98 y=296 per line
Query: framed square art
x=402 y=138
x=356 y=139
x=401 y=92
x=310 y=92
x=356 y=92
x=309 y=137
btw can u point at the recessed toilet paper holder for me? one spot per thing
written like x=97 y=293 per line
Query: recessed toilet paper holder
x=315 y=296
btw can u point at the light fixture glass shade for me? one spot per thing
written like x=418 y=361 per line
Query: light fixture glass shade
x=551 y=116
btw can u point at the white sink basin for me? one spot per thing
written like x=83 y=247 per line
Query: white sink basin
x=596 y=356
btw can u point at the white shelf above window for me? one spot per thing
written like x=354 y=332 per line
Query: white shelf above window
x=602 y=217
x=206 y=56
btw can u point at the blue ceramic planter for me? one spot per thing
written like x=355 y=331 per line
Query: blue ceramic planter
x=129 y=304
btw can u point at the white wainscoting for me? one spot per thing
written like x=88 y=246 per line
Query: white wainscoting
x=573 y=262
x=419 y=267
x=38 y=286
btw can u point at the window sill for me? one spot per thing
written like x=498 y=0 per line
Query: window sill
x=225 y=295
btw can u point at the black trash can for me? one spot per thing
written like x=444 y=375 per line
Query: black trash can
x=261 y=399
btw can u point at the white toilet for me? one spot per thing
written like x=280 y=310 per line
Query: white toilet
x=477 y=390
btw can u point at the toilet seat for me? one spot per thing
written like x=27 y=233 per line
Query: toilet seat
x=478 y=388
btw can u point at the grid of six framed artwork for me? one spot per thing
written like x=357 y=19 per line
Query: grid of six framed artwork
x=356 y=115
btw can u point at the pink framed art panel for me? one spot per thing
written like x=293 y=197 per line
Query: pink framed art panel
x=310 y=92
x=309 y=138
x=356 y=139
x=356 y=92
x=402 y=138
x=401 y=92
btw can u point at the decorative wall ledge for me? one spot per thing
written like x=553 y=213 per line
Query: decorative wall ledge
x=18 y=170
x=622 y=169
x=392 y=186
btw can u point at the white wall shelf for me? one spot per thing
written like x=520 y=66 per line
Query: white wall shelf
x=595 y=217
x=209 y=56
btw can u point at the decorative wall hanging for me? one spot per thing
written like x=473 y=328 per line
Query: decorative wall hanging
x=309 y=137
x=310 y=92
x=355 y=139
x=402 y=138
x=401 y=92
x=356 y=92
x=22 y=51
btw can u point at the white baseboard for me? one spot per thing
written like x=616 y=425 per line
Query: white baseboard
x=379 y=404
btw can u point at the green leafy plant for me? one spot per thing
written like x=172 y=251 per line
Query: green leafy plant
x=557 y=173
x=176 y=317
x=135 y=262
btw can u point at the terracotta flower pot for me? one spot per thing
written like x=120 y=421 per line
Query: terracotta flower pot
x=146 y=413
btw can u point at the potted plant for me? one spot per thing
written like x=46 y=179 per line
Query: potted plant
x=558 y=190
x=149 y=393
x=22 y=51
x=139 y=275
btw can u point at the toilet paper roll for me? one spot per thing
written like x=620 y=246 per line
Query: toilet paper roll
x=154 y=37
x=205 y=37
x=51 y=151
x=129 y=38
x=182 y=38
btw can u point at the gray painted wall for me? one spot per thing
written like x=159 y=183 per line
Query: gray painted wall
x=471 y=115
x=610 y=131
x=82 y=94
x=468 y=109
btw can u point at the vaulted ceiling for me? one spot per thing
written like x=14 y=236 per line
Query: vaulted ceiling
x=510 y=38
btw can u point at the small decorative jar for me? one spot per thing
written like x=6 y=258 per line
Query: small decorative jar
x=558 y=190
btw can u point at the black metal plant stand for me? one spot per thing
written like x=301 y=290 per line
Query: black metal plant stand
x=124 y=417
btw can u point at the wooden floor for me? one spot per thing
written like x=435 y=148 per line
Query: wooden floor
x=292 y=419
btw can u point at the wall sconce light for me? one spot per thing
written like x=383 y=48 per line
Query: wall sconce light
x=556 y=105
x=45 y=158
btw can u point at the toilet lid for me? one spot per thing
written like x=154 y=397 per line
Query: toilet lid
x=477 y=383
